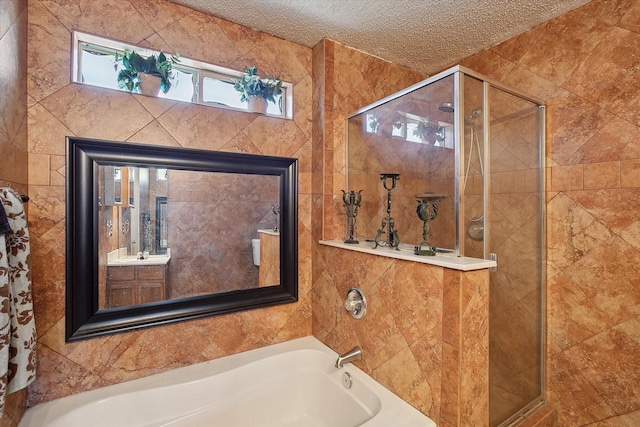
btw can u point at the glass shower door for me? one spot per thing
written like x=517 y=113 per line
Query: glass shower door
x=515 y=220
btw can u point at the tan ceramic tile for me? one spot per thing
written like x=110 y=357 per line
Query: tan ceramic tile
x=47 y=135
x=427 y=352
x=103 y=18
x=572 y=231
x=188 y=123
x=450 y=411
x=49 y=44
x=572 y=394
x=59 y=377
x=607 y=77
x=159 y=13
x=601 y=175
x=402 y=375
x=610 y=12
x=39 y=169
x=566 y=117
x=631 y=234
x=616 y=295
x=630 y=173
x=418 y=304
x=202 y=37
x=286 y=137
x=608 y=362
x=617 y=140
x=573 y=317
x=97 y=113
x=565 y=178
x=562 y=44
x=625 y=201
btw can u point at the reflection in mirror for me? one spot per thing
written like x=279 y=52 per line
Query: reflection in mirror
x=158 y=234
x=201 y=242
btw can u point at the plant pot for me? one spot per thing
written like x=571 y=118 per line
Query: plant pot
x=149 y=84
x=257 y=104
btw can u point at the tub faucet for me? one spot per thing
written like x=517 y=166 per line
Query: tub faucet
x=354 y=354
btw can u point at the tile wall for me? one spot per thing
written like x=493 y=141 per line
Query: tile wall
x=425 y=336
x=585 y=65
x=57 y=108
x=13 y=85
x=13 y=132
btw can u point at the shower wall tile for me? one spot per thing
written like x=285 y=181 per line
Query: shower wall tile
x=601 y=175
x=588 y=80
x=58 y=108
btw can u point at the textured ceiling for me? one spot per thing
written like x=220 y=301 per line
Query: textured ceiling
x=424 y=35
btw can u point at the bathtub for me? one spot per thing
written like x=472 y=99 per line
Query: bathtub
x=294 y=383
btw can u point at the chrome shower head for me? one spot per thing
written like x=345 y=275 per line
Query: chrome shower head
x=447 y=107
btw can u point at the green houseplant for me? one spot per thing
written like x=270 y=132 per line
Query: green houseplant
x=254 y=88
x=135 y=67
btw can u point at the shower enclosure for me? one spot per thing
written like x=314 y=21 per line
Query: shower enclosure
x=477 y=147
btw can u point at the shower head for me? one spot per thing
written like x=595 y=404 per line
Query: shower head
x=446 y=107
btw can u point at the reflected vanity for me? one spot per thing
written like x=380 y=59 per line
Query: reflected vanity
x=161 y=234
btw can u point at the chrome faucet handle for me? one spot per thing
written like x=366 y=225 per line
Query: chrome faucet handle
x=356 y=304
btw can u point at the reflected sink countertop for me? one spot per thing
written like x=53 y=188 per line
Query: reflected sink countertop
x=119 y=258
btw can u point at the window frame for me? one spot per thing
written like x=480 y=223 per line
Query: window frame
x=199 y=69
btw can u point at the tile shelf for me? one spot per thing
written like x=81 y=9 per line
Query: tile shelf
x=446 y=260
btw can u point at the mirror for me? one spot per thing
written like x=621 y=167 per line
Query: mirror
x=161 y=234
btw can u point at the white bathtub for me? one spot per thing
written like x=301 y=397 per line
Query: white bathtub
x=284 y=385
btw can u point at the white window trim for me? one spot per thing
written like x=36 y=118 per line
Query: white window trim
x=202 y=69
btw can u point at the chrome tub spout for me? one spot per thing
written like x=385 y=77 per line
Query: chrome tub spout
x=354 y=354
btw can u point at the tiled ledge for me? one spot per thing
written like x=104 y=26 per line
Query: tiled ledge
x=406 y=253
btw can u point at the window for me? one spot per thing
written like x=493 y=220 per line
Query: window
x=196 y=81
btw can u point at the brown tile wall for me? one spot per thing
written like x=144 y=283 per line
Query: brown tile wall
x=57 y=108
x=13 y=133
x=425 y=334
x=585 y=65
x=212 y=205
x=13 y=102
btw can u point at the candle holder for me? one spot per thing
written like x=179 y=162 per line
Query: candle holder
x=427 y=211
x=387 y=227
x=351 y=201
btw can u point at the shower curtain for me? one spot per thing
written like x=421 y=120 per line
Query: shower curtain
x=17 y=325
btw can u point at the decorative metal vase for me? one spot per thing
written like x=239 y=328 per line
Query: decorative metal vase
x=351 y=201
x=387 y=227
x=427 y=211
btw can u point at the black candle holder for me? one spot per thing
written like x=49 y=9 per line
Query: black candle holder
x=351 y=201
x=388 y=223
x=427 y=211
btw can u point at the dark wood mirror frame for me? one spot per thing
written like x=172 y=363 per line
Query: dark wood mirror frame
x=84 y=319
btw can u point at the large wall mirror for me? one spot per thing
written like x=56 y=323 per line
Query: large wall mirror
x=162 y=234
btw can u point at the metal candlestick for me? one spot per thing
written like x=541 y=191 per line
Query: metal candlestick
x=351 y=201
x=276 y=211
x=388 y=224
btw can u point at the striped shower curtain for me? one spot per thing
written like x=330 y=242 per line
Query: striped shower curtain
x=17 y=325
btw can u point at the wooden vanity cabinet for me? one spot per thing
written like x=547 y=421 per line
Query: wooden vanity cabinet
x=133 y=285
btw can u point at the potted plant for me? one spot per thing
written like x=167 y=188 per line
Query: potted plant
x=257 y=91
x=146 y=75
